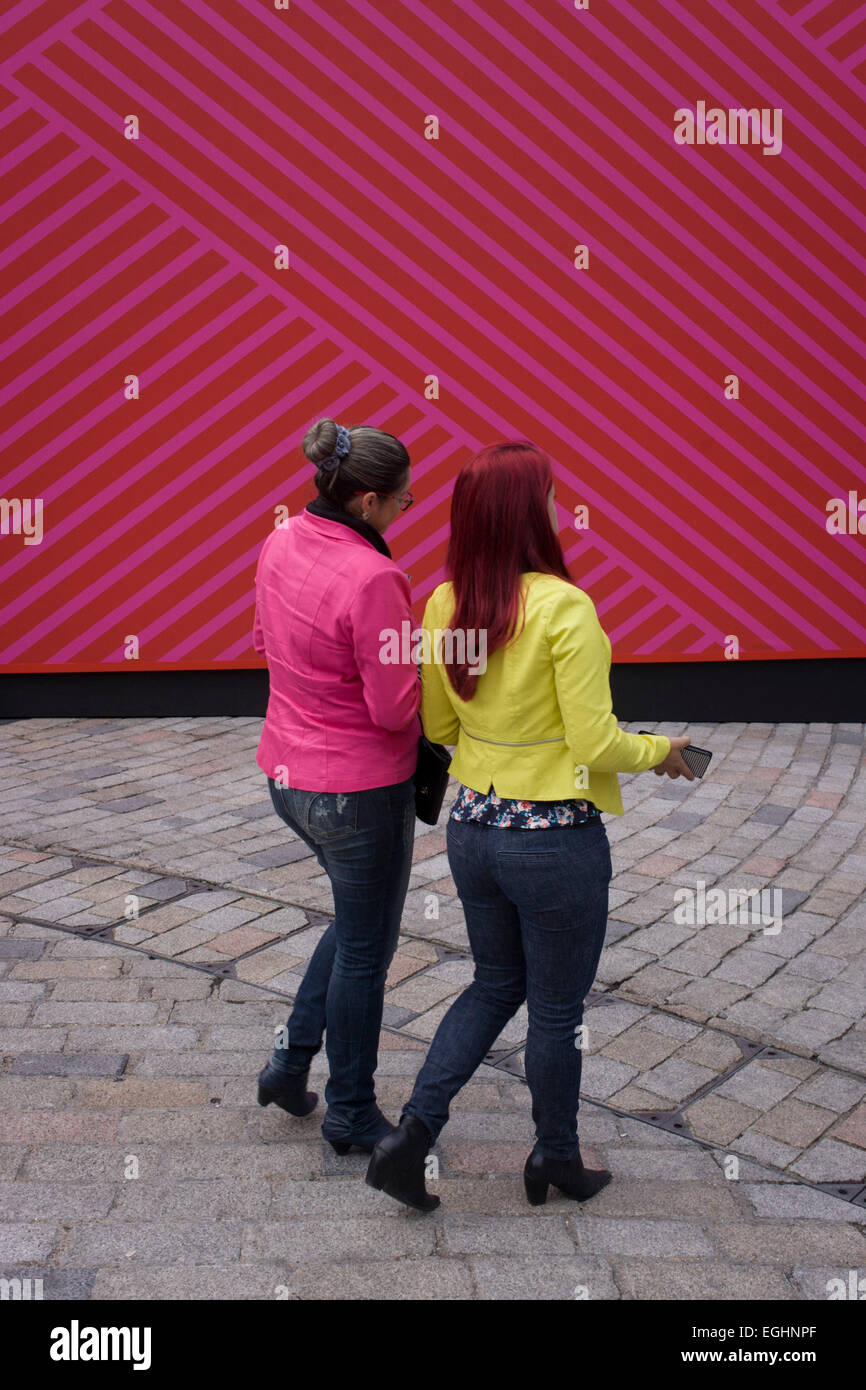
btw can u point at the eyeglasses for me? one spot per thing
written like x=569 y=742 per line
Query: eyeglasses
x=405 y=500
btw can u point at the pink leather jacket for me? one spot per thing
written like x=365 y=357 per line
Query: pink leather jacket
x=339 y=718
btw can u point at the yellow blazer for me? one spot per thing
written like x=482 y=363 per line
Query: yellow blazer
x=541 y=709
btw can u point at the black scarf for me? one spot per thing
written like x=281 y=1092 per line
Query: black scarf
x=321 y=507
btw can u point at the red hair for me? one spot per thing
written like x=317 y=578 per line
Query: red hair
x=500 y=529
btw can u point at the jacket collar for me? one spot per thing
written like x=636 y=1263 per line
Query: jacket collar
x=327 y=510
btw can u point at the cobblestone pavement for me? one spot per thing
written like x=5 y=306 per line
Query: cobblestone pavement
x=156 y=915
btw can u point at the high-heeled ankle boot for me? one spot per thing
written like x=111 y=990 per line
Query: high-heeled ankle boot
x=397 y=1165
x=288 y=1090
x=566 y=1174
x=374 y=1129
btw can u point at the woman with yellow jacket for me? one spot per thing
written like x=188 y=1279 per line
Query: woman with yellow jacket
x=538 y=749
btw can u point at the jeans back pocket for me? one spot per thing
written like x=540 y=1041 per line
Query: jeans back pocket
x=332 y=815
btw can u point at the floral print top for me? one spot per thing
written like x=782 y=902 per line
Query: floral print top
x=508 y=814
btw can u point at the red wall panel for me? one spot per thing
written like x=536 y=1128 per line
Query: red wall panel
x=411 y=259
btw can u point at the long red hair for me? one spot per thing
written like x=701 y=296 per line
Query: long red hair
x=500 y=528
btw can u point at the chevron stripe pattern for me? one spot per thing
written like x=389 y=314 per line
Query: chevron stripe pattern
x=461 y=221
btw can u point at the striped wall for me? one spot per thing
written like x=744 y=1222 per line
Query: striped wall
x=491 y=227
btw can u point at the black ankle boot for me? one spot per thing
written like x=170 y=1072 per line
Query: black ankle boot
x=566 y=1174
x=376 y=1127
x=397 y=1165
x=288 y=1090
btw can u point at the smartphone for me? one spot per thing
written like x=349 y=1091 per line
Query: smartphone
x=696 y=759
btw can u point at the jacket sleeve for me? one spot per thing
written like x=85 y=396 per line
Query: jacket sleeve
x=439 y=719
x=392 y=691
x=580 y=650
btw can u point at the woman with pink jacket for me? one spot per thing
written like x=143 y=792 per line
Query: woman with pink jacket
x=339 y=748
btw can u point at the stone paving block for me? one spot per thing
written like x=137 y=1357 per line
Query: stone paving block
x=293 y=1158
x=796 y=1201
x=131 y=1092
x=832 y=1090
x=781 y=1242
x=745 y=966
x=11 y=1159
x=690 y=961
x=852 y=1129
x=837 y=997
x=337 y=1198
x=66 y=1127
x=601 y=1076
x=757 y=1084
x=52 y=969
x=69 y=1201
x=13 y=949
x=189 y=1063
x=154 y=1242
x=56 y=1284
x=195 y=984
x=403 y=965
x=671 y=1026
x=422 y=993
x=848 y=1052
x=635 y=1100
x=813 y=1027
x=228 y=1282
x=706 y=1279
x=27 y=1243
x=163 y=920
x=186 y=1124
x=559 y=1277
x=688 y=1163
x=178 y=939
x=115 y=991
x=207 y=1199
x=67 y=1064
x=101 y=1012
x=611 y=1236
x=794 y=1122
x=619 y=962
x=469 y=1233
x=719 y=1120
x=35 y=1093
x=14 y=1015
x=356 y=1238
x=709 y=1201
x=612 y=1019
x=410 y=1279
x=827 y=1282
x=265 y=967
x=829 y=1160
x=171 y=1038
x=713 y=1050
x=484 y=1126
x=675 y=1080
x=254 y=1039
x=30 y=1039
x=640 y=1047
x=703 y=999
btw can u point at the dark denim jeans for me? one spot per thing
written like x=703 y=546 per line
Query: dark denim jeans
x=535 y=903
x=363 y=840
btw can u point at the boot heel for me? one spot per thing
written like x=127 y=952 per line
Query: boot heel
x=378 y=1171
x=265 y=1096
x=339 y=1147
x=536 y=1190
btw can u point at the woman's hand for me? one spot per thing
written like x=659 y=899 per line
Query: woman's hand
x=673 y=764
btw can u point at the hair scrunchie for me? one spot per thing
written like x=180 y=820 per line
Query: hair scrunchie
x=341 y=449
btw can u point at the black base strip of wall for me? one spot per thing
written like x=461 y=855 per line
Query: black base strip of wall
x=714 y=692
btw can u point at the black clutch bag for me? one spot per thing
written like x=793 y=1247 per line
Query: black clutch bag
x=431 y=779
